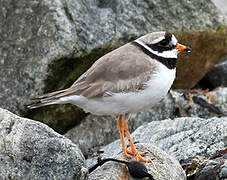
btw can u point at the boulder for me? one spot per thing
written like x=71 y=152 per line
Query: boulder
x=180 y=137
x=216 y=77
x=193 y=66
x=31 y=150
x=94 y=132
x=206 y=167
x=162 y=167
x=222 y=5
x=46 y=45
x=97 y=131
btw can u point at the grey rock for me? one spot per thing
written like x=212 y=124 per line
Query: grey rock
x=217 y=75
x=97 y=131
x=222 y=4
x=213 y=169
x=31 y=150
x=180 y=137
x=162 y=167
x=206 y=167
x=46 y=45
x=223 y=173
x=94 y=132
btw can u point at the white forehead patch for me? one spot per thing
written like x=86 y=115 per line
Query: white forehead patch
x=158 y=40
x=174 y=40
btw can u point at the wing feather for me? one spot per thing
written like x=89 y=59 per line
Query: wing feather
x=116 y=72
x=126 y=69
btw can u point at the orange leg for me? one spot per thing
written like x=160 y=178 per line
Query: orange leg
x=133 y=150
x=123 y=129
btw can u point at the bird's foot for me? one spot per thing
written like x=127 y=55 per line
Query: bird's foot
x=137 y=155
x=129 y=151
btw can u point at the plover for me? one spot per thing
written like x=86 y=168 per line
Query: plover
x=127 y=80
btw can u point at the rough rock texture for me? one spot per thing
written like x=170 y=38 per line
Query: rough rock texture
x=222 y=5
x=31 y=150
x=162 y=167
x=46 y=45
x=216 y=76
x=205 y=168
x=97 y=131
x=94 y=132
x=181 y=137
x=213 y=169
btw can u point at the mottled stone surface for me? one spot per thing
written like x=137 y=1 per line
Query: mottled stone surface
x=46 y=45
x=222 y=5
x=162 y=167
x=97 y=131
x=206 y=167
x=94 y=132
x=180 y=137
x=31 y=150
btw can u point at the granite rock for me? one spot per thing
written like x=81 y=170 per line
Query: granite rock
x=222 y=5
x=162 y=167
x=206 y=167
x=94 y=132
x=31 y=150
x=180 y=137
x=216 y=77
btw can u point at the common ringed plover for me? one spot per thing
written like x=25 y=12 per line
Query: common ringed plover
x=127 y=80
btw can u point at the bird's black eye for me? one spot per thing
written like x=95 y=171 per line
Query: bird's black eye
x=164 y=42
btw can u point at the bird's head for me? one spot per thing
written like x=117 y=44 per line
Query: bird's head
x=163 y=44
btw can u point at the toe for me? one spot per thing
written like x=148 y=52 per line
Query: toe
x=127 y=153
x=139 y=157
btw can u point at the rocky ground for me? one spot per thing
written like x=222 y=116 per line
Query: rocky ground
x=46 y=45
x=32 y=150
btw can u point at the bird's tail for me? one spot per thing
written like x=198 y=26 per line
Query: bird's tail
x=47 y=99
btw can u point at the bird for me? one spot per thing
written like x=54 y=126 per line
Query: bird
x=129 y=79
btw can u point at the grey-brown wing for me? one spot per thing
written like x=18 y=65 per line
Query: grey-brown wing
x=123 y=70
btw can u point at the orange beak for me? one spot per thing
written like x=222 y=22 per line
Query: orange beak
x=181 y=47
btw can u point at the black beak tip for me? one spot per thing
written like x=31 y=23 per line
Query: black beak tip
x=188 y=49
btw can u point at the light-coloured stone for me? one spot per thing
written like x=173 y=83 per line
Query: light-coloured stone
x=31 y=150
x=180 y=137
x=162 y=167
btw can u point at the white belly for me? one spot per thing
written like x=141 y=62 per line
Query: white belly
x=120 y=103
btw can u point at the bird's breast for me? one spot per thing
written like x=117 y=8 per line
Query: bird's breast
x=159 y=83
x=156 y=89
